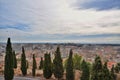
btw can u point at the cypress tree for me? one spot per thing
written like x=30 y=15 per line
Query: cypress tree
x=15 y=60
x=97 y=69
x=69 y=67
x=23 y=62
x=85 y=71
x=34 y=65
x=47 y=70
x=117 y=68
x=57 y=64
x=106 y=72
x=41 y=63
x=8 y=67
x=112 y=73
x=50 y=65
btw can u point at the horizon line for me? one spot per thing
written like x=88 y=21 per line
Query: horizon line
x=61 y=43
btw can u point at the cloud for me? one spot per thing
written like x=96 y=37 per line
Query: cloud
x=56 y=20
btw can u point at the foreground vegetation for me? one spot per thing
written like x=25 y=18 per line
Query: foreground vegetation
x=98 y=70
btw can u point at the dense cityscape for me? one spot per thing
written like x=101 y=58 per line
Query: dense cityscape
x=111 y=52
x=88 y=52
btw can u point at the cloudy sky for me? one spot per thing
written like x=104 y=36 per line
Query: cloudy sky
x=78 y=21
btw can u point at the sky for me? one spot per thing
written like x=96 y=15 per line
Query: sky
x=76 y=21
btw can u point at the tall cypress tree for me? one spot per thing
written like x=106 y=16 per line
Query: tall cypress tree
x=112 y=73
x=47 y=68
x=97 y=69
x=34 y=65
x=23 y=62
x=15 y=60
x=8 y=67
x=69 y=67
x=85 y=71
x=57 y=64
x=106 y=72
x=41 y=63
x=117 y=68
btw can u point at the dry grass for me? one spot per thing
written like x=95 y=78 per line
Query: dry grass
x=39 y=73
x=118 y=76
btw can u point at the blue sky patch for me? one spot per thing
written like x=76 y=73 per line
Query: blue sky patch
x=100 y=4
x=22 y=27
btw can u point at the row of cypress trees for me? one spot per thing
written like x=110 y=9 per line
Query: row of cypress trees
x=56 y=67
x=98 y=71
x=24 y=64
x=101 y=72
x=11 y=62
x=48 y=67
